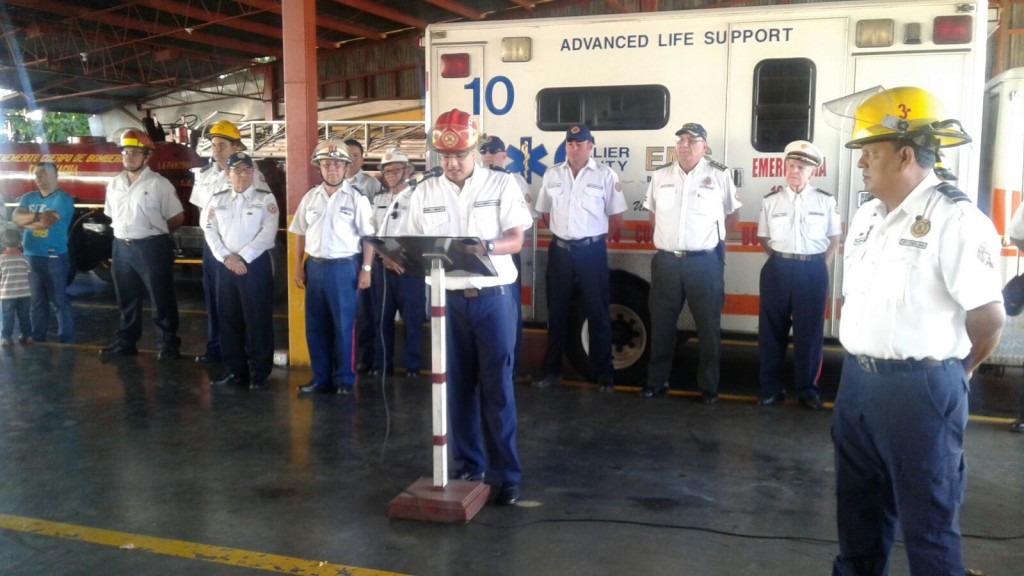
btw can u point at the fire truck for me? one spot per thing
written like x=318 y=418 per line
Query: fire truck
x=85 y=166
x=754 y=77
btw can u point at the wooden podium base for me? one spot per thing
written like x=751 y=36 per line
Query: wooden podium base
x=457 y=502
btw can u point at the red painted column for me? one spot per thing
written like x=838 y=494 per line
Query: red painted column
x=300 y=114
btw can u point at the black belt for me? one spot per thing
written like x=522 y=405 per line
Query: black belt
x=578 y=243
x=803 y=257
x=478 y=292
x=688 y=253
x=130 y=241
x=329 y=260
x=881 y=366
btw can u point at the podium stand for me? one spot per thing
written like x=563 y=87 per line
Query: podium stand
x=438 y=499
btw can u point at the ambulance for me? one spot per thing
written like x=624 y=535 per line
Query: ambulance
x=754 y=77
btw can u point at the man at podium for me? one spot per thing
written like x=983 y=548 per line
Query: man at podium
x=481 y=311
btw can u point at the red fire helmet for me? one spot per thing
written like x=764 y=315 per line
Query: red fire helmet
x=132 y=138
x=454 y=131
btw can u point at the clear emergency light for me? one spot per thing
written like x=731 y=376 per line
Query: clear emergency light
x=515 y=49
x=455 y=65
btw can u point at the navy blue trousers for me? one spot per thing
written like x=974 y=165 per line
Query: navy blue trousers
x=585 y=269
x=246 y=308
x=141 y=268
x=481 y=401
x=403 y=293
x=899 y=459
x=330 y=320
x=793 y=294
x=210 y=271
x=674 y=280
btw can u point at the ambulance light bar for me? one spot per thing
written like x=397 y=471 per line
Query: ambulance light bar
x=880 y=33
x=875 y=33
x=953 y=29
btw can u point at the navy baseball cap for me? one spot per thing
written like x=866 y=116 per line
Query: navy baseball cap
x=579 y=133
x=239 y=158
x=492 y=144
x=693 y=129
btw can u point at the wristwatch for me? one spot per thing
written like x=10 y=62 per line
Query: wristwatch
x=490 y=246
x=367 y=268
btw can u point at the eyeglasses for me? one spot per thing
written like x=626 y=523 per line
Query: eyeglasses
x=132 y=152
x=455 y=155
x=687 y=141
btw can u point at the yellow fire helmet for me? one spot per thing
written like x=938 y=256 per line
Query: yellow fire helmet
x=331 y=150
x=909 y=112
x=227 y=130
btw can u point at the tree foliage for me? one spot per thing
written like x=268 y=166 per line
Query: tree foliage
x=53 y=127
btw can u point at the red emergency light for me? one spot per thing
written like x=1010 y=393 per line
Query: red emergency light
x=455 y=65
x=953 y=29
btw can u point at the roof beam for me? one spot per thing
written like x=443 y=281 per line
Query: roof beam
x=332 y=24
x=384 y=12
x=457 y=8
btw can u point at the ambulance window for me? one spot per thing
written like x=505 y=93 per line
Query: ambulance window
x=603 y=107
x=783 y=103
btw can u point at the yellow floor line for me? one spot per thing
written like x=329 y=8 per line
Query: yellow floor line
x=182 y=549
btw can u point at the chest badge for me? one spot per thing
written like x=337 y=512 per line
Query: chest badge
x=920 y=227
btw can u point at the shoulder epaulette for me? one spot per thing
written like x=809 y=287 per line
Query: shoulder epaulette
x=829 y=194
x=499 y=169
x=218 y=193
x=716 y=164
x=952 y=192
x=772 y=193
x=207 y=167
x=656 y=168
x=262 y=191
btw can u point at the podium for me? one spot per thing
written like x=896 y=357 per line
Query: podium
x=438 y=499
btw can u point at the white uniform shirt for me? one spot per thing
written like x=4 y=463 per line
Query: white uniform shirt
x=690 y=209
x=579 y=207
x=243 y=224
x=799 y=223
x=489 y=203
x=906 y=295
x=366 y=185
x=389 y=208
x=141 y=209
x=211 y=179
x=333 y=224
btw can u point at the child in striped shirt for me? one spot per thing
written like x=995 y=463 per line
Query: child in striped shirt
x=15 y=294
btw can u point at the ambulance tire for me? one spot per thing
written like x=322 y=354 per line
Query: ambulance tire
x=631 y=332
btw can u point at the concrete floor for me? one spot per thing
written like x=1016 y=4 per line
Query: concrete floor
x=139 y=467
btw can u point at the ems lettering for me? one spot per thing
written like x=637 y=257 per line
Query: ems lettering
x=676 y=39
x=748 y=36
x=605 y=42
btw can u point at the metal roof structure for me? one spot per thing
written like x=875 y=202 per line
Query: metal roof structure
x=93 y=56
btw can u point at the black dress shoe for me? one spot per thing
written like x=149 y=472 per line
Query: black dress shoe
x=812 y=402
x=230 y=379
x=605 y=383
x=168 y=355
x=771 y=400
x=257 y=383
x=116 y=350
x=1017 y=425
x=345 y=390
x=548 y=381
x=508 y=494
x=709 y=398
x=470 y=476
x=316 y=388
x=362 y=368
x=207 y=359
x=654 y=391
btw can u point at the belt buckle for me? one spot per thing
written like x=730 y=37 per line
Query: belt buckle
x=679 y=253
x=867 y=364
x=471 y=292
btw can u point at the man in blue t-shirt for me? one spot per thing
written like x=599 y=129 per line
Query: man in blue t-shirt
x=46 y=215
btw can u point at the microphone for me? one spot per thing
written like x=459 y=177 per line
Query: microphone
x=432 y=173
